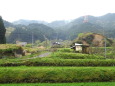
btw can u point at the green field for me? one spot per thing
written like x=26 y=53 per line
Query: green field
x=62 y=68
x=63 y=84
x=57 y=62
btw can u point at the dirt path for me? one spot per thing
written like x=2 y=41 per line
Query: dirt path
x=44 y=54
x=40 y=56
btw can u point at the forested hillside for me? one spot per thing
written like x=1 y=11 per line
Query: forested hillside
x=23 y=29
x=84 y=27
x=26 y=33
x=31 y=32
x=102 y=24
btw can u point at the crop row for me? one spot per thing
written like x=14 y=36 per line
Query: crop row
x=58 y=62
x=68 y=74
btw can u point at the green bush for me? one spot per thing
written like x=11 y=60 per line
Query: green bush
x=53 y=74
x=74 y=56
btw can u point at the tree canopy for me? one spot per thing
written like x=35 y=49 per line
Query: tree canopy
x=2 y=32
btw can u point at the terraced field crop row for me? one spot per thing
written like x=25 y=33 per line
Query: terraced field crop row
x=65 y=66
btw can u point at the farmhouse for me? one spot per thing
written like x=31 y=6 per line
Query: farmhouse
x=56 y=45
x=21 y=43
x=81 y=48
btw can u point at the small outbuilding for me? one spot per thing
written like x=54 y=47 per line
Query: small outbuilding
x=21 y=43
x=80 y=48
x=56 y=45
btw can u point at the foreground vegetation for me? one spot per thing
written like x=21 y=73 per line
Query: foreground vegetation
x=56 y=74
x=63 y=84
x=62 y=66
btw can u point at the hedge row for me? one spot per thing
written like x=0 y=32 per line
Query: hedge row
x=74 y=56
x=58 y=62
x=36 y=74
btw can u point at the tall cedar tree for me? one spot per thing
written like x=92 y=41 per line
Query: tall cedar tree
x=2 y=32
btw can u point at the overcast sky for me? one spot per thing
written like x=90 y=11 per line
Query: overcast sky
x=50 y=10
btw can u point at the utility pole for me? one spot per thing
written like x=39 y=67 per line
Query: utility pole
x=45 y=40
x=32 y=39
x=57 y=37
x=85 y=19
x=18 y=36
x=105 y=50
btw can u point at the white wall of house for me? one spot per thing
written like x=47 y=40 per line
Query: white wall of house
x=22 y=43
x=78 y=48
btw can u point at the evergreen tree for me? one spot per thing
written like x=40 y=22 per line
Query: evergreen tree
x=2 y=32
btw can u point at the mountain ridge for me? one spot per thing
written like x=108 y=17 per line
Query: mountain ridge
x=70 y=29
